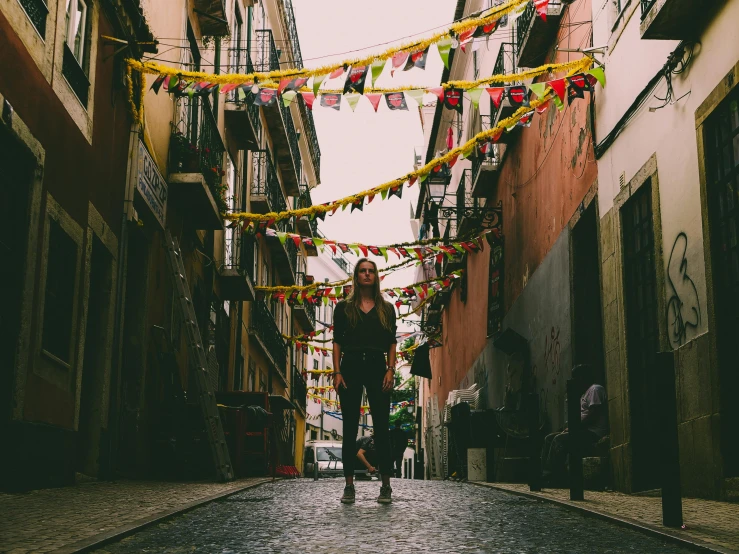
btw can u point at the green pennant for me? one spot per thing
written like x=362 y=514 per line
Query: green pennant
x=241 y=94
x=557 y=102
x=353 y=99
x=317 y=80
x=444 y=46
x=467 y=152
x=475 y=96
x=384 y=194
x=300 y=298
x=337 y=291
x=538 y=89
x=383 y=251
x=377 y=67
x=318 y=242
x=417 y=95
x=312 y=349
x=343 y=206
x=354 y=248
x=458 y=247
x=600 y=74
x=282 y=237
x=288 y=97
x=423 y=177
x=325 y=300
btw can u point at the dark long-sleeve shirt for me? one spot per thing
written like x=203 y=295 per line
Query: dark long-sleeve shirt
x=368 y=334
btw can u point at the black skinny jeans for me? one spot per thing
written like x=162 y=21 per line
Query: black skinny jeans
x=365 y=370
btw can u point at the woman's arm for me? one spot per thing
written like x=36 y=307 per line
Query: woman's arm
x=363 y=459
x=338 y=379
x=389 y=381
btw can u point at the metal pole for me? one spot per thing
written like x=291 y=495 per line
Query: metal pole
x=574 y=430
x=534 y=444
x=669 y=458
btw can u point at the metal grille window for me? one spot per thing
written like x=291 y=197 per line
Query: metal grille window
x=642 y=330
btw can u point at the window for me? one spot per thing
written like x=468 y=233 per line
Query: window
x=76 y=23
x=61 y=276
x=252 y=377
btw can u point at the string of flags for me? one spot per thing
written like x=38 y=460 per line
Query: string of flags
x=406 y=56
x=480 y=143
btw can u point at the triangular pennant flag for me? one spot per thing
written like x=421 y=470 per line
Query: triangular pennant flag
x=291 y=84
x=543 y=107
x=383 y=251
x=465 y=37
x=355 y=79
x=496 y=95
x=396 y=191
x=374 y=100
x=282 y=237
x=417 y=95
x=557 y=102
x=538 y=89
x=600 y=75
x=383 y=193
x=296 y=241
x=417 y=59
x=265 y=97
x=288 y=97
x=317 y=80
x=363 y=248
x=157 y=84
x=559 y=86
x=370 y=198
x=578 y=84
x=377 y=67
x=398 y=60
x=337 y=72
x=453 y=160
x=518 y=96
x=474 y=95
x=396 y=101
x=541 y=8
x=331 y=101
x=353 y=100
x=453 y=99
x=308 y=98
x=358 y=205
x=438 y=91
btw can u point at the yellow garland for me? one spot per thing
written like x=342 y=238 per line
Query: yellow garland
x=292 y=288
x=457 y=28
x=466 y=85
x=418 y=173
x=131 y=101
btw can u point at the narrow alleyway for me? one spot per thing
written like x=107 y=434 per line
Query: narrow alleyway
x=426 y=516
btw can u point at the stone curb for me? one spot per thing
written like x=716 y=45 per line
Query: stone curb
x=96 y=541
x=667 y=534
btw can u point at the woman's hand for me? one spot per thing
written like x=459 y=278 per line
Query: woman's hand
x=339 y=382
x=371 y=469
x=388 y=381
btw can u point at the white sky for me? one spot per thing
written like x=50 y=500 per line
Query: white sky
x=363 y=149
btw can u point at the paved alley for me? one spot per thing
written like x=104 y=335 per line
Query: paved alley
x=426 y=516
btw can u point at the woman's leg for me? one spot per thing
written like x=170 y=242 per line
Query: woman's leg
x=379 y=402
x=351 y=400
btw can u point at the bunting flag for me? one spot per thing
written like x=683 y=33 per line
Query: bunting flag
x=474 y=95
x=417 y=95
x=398 y=60
x=331 y=101
x=541 y=8
x=396 y=101
x=518 y=96
x=578 y=84
x=377 y=67
x=374 y=100
x=265 y=97
x=496 y=95
x=417 y=59
x=291 y=84
x=453 y=99
x=353 y=100
x=444 y=47
x=317 y=80
x=355 y=79
x=338 y=72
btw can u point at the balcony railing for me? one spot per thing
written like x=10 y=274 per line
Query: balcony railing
x=307 y=226
x=235 y=275
x=37 y=12
x=535 y=36
x=505 y=64
x=290 y=248
x=299 y=389
x=241 y=63
x=646 y=5
x=265 y=182
x=309 y=127
x=292 y=33
x=262 y=325
x=523 y=23
x=196 y=145
x=308 y=309
x=266 y=59
x=292 y=138
x=75 y=76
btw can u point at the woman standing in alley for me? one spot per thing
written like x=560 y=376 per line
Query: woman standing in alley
x=364 y=358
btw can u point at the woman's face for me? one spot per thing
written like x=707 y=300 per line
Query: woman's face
x=366 y=274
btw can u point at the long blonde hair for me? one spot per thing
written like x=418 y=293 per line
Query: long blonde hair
x=354 y=299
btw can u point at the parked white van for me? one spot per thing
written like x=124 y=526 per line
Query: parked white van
x=329 y=457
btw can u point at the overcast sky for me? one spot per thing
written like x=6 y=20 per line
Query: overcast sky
x=363 y=149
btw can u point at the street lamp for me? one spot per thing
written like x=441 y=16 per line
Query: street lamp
x=437 y=189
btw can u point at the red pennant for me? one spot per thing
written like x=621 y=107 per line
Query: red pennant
x=541 y=8
x=438 y=91
x=467 y=247
x=543 y=107
x=296 y=240
x=394 y=251
x=496 y=94
x=370 y=198
x=412 y=180
x=449 y=139
x=374 y=100
x=363 y=248
x=336 y=73
x=465 y=37
x=453 y=160
x=439 y=258
x=559 y=86
x=308 y=98
x=399 y=60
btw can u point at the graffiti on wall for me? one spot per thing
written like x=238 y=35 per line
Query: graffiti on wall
x=549 y=371
x=683 y=307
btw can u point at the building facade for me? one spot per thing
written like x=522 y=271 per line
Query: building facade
x=98 y=373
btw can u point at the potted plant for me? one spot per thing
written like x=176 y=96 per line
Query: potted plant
x=184 y=155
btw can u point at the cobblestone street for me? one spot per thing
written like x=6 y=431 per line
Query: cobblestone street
x=425 y=516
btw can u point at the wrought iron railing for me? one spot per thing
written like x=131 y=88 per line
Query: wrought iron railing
x=75 y=75
x=196 y=145
x=305 y=201
x=264 y=181
x=267 y=58
x=239 y=253
x=292 y=137
x=290 y=248
x=299 y=389
x=309 y=127
x=37 y=12
x=310 y=309
x=646 y=5
x=240 y=62
x=465 y=199
x=523 y=23
x=292 y=33
x=262 y=324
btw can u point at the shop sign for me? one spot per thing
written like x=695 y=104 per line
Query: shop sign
x=150 y=185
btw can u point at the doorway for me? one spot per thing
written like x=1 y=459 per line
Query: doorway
x=642 y=335
x=96 y=364
x=587 y=322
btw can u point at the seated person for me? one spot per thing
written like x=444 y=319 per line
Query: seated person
x=367 y=453
x=399 y=442
x=593 y=424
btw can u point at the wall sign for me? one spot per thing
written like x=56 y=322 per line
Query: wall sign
x=150 y=185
